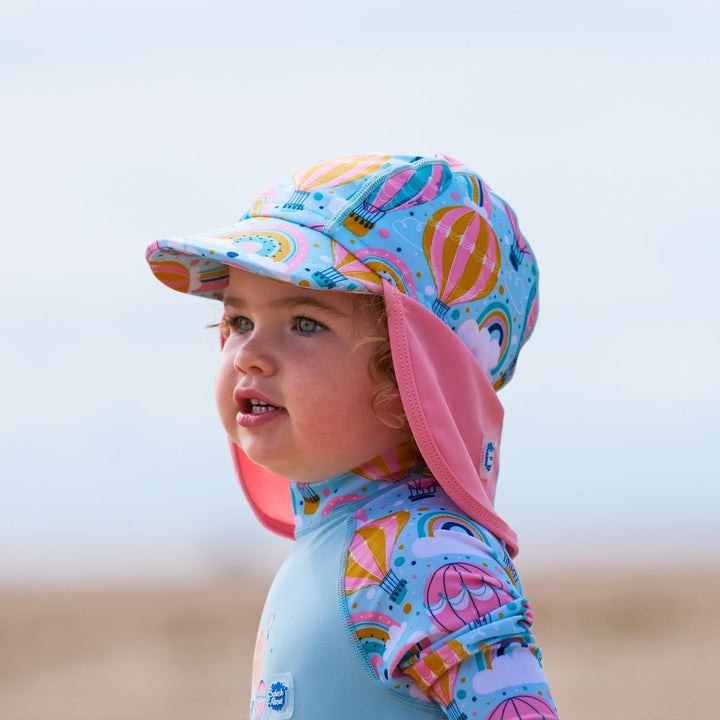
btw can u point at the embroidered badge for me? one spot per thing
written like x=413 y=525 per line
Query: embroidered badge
x=280 y=701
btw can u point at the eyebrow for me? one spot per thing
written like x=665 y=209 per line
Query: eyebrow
x=293 y=301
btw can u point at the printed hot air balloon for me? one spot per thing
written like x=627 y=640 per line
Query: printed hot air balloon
x=444 y=689
x=458 y=594
x=394 y=465
x=464 y=256
x=331 y=173
x=311 y=498
x=345 y=265
x=370 y=553
x=174 y=274
x=259 y=206
x=259 y=701
x=478 y=193
x=519 y=249
x=522 y=707
x=422 y=488
x=407 y=188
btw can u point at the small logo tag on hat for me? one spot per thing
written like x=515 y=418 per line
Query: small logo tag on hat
x=280 y=697
x=489 y=457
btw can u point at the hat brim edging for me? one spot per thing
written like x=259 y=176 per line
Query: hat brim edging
x=198 y=264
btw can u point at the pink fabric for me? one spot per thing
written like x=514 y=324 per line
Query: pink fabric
x=268 y=494
x=454 y=412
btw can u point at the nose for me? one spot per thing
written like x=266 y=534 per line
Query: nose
x=254 y=356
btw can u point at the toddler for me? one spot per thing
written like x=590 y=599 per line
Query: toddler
x=373 y=306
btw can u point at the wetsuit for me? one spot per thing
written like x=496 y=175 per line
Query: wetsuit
x=394 y=605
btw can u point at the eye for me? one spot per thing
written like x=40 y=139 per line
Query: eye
x=307 y=326
x=239 y=324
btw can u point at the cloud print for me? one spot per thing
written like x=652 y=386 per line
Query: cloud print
x=446 y=542
x=481 y=344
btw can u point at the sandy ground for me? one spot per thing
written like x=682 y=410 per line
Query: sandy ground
x=616 y=646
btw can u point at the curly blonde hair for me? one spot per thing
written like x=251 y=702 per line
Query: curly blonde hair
x=386 y=396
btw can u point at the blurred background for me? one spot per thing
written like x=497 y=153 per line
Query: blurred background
x=131 y=571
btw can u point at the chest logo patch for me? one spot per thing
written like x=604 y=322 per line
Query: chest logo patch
x=280 y=700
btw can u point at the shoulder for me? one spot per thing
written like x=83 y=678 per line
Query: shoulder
x=418 y=529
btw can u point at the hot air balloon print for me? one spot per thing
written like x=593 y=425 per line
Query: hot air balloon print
x=477 y=193
x=345 y=265
x=523 y=707
x=174 y=274
x=202 y=277
x=259 y=701
x=464 y=256
x=509 y=567
x=407 y=188
x=519 y=249
x=394 y=465
x=421 y=488
x=310 y=497
x=330 y=174
x=370 y=554
x=444 y=689
x=458 y=594
x=259 y=206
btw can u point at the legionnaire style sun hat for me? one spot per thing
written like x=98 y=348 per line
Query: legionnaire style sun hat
x=459 y=283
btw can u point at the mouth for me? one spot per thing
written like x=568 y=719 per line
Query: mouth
x=254 y=410
x=255 y=406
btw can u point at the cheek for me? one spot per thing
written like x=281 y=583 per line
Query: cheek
x=224 y=383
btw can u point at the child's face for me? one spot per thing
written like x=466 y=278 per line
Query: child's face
x=295 y=383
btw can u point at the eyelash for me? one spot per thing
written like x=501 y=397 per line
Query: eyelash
x=235 y=322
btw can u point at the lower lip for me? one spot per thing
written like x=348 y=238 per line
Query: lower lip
x=254 y=420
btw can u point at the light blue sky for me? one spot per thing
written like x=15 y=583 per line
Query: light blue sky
x=126 y=121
